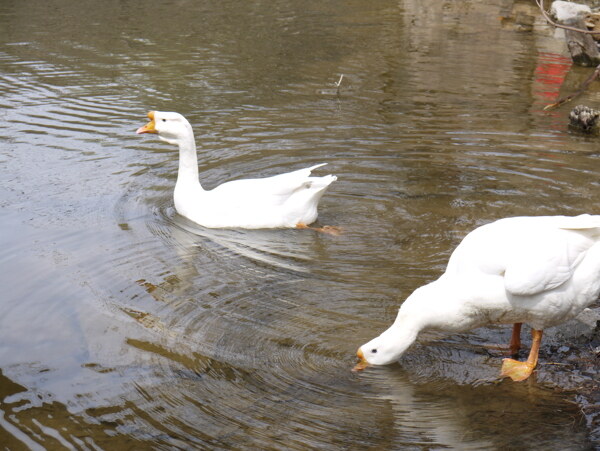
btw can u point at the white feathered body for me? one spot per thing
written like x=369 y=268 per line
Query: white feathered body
x=284 y=200
x=537 y=270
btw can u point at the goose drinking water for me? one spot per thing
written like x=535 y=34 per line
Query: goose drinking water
x=541 y=271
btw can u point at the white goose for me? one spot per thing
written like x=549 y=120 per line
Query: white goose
x=536 y=270
x=285 y=200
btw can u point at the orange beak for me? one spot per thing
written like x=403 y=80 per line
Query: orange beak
x=362 y=362
x=149 y=127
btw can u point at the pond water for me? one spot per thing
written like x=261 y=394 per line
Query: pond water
x=124 y=326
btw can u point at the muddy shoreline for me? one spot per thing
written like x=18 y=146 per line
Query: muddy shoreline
x=575 y=348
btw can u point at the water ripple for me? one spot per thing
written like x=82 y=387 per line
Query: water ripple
x=128 y=322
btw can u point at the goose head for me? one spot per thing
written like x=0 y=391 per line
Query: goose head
x=386 y=348
x=171 y=127
x=419 y=311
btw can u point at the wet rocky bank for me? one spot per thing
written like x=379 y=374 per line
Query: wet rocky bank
x=575 y=348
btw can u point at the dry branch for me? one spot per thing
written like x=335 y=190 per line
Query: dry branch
x=581 y=89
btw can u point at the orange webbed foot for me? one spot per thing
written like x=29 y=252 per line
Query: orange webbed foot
x=329 y=230
x=516 y=370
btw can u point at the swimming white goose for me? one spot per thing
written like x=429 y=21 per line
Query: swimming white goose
x=285 y=200
x=536 y=270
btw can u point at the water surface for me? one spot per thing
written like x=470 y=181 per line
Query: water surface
x=124 y=326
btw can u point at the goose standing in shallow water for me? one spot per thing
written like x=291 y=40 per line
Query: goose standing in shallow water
x=536 y=270
x=285 y=200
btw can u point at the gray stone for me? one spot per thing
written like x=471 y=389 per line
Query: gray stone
x=563 y=11
x=580 y=329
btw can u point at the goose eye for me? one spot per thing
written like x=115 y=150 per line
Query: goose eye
x=164 y=120
x=374 y=351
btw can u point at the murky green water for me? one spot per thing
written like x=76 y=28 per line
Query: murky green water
x=123 y=326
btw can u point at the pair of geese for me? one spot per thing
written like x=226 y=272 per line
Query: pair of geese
x=541 y=271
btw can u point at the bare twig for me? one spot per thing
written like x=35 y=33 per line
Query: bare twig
x=339 y=82
x=540 y=3
x=582 y=88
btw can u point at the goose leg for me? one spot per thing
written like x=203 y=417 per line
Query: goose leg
x=330 y=230
x=519 y=371
x=515 y=342
x=515 y=339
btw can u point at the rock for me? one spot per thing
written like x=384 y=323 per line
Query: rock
x=584 y=118
x=583 y=48
x=580 y=329
x=592 y=23
x=563 y=11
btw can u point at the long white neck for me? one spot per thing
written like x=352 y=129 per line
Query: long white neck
x=403 y=334
x=446 y=305
x=412 y=318
x=187 y=175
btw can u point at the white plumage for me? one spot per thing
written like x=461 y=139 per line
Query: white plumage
x=285 y=200
x=536 y=270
